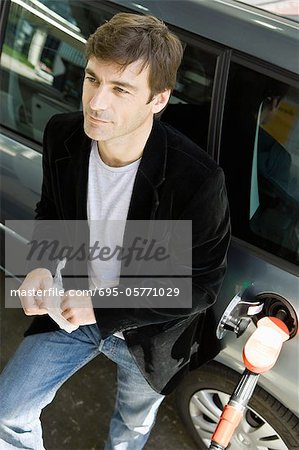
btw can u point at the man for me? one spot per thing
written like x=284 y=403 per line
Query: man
x=118 y=162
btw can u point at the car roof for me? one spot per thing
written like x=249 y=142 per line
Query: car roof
x=237 y=25
x=283 y=8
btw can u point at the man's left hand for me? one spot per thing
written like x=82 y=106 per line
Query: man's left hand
x=77 y=309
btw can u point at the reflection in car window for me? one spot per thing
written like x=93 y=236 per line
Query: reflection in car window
x=260 y=155
x=189 y=106
x=42 y=62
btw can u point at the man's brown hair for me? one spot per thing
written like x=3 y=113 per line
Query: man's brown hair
x=126 y=38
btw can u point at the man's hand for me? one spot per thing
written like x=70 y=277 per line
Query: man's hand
x=37 y=279
x=77 y=310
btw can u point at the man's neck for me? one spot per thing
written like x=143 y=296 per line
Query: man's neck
x=115 y=161
x=124 y=150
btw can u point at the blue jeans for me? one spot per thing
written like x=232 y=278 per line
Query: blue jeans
x=43 y=362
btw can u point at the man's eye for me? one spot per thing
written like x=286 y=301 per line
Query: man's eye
x=120 y=90
x=90 y=79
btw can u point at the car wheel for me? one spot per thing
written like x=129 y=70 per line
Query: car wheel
x=267 y=424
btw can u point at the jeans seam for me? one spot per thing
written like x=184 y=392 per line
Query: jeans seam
x=115 y=346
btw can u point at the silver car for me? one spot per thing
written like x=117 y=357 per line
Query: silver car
x=237 y=96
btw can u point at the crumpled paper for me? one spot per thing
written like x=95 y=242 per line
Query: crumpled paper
x=55 y=311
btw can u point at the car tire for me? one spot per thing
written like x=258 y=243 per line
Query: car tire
x=215 y=382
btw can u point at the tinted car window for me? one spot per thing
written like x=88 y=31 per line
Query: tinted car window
x=42 y=62
x=42 y=68
x=260 y=155
x=189 y=106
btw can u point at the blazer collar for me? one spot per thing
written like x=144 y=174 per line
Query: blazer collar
x=153 y=161
x=150 y=175
x=72 y=174
x=77 y=141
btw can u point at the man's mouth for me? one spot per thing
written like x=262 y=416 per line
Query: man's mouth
x=93 y=119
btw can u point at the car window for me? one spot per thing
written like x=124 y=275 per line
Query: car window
x=260 y=156
x=42 y=68
x=42 y=62
x=190 y=103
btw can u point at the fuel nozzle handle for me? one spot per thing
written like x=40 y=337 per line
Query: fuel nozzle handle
x=233 y=412
x=262 y=349
x=260 y=353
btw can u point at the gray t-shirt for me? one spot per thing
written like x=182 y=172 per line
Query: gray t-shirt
x=108 y=199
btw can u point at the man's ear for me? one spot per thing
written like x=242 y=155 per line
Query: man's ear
x=160 y=101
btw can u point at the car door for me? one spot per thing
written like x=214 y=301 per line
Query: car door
x=260 y=157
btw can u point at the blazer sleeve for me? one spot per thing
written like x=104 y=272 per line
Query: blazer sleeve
x=209 y=212
x=46 y=209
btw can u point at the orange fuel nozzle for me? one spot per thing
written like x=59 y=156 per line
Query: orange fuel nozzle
x=260 y=353
x=262 y=349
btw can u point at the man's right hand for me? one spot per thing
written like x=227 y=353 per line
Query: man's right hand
x=37 y=279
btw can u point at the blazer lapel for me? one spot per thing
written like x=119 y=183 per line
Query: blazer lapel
x=145 y=198
x=72 y=175
x=150 y=174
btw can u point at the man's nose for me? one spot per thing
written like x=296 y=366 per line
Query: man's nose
x=100 y=99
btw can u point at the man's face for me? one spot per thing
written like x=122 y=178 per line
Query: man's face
x=115 y=102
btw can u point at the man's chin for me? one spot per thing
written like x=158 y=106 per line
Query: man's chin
x=91 y=133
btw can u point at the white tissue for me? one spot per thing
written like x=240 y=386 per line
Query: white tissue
x=55 y=311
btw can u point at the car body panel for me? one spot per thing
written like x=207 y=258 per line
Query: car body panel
x=21 y=179
x=245 y=268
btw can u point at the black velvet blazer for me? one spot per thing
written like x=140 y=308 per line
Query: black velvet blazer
x=176 y=180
